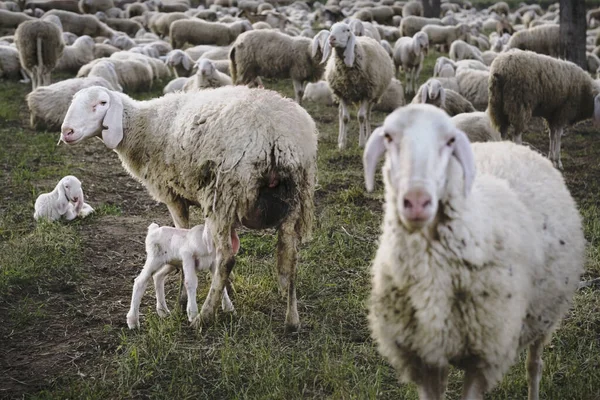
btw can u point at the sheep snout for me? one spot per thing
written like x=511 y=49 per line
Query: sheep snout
x=417 y=207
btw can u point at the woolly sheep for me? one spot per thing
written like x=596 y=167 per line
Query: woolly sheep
x=167 y=249
x=409 y=54
x=412 y=8
x=432 y=92
x=358 y=72
x=387 y=47
x=160 y=23
x=477 y=126
x=10 y=65
x=446 y=71
x=133 y=75
x=524 y=84
x=175 y=85
x=473 y=86
x=81 y=24
x=318 y=92
x=40 y=47
x=480 y=254
x=541 y=39
x=48 y=105
x=392 y=98
x=93 y=6
x=413 y=24
x=181 y=63
x=11 y=20
x=217 y=53
x=78 y=54
x=158 y=68
x=445 y=35
x=272 y=54
x=196 y=31
x=461 y=50
x=246 y=156
x=104 y=50
x=65 y=201
x=457 y=66
x=127 y=26
x=206 y=77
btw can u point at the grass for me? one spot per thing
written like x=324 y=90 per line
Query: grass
x=246 y=355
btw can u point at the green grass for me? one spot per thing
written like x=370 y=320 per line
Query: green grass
x=246 y=355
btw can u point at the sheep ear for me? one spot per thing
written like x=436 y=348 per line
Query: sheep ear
x=62 y=203
x=597 y=110
x=374 y=149
x=185 y=61
x=442 y=97
x=326 y=51
x=464 y=154
x=349 y=52
x=318 y=42
x=113 y=121
x=424 y=92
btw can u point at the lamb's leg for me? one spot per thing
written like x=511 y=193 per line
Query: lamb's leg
x=298 y=90
x=433 y=382
x=556 y=135
x=344 y=120
x=363 y=113
x=191 y=284
x=139 y=286
x=287 y=257
x=534 y=368
x=224 y=264
x=474 y=385
x=180 y=213
x=159 y=287
x=417 y=71
x=226 y=303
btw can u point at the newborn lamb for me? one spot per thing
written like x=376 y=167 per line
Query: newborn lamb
x=66 y=200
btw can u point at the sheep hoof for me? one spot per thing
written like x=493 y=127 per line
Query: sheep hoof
x=192 y=314
x=133 y=322
x=163 y=312
x=292 y=327
x=198 y=322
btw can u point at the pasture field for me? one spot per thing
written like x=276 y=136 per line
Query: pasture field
x=65 y=287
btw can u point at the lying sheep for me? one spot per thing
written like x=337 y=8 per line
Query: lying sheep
x=524 y=84
x=181 y=63
x=167 y=249
x=208 y=148
x=457 y=66
x=271 y=54
x=432 y=92
x=541 y=39
x=318 y=92
x=175 y=85
x=480 y=255
x=358 y=72
x=461 y=50
x=206 y=77
x=40 y=47
x=77 y=55
x=392 y=98
x=196 y=31
x=65 y=201
x=409 y=54
x=445 y=35
x=477 y=126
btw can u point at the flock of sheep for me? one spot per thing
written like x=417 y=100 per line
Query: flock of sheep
x=472 y=264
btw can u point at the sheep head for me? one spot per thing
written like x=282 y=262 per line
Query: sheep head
x=70 y=187
x=420 y=43
x=94 y=111
x=434 y=93
x=341 y=37
x=205 y=67
x=420 y=141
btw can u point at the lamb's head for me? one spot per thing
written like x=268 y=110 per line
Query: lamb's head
x=342 y=38
x=433 y=93
x=178 y=57
x=421 y=142
x=420 y=43
x=94 y=111
x=439 y=64
x=206 y=68
x=70 y=187
x=85 y=41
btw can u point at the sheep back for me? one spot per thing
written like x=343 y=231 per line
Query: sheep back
x=541 y=39
x=52 y=45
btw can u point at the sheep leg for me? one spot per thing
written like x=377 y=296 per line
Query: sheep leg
x=25 y=77
x=432 y=383
x=287 y=257
x=554 y=154
x=159 y=287
x=474 y=385
x=191 y=284
x=363 y=113
x=139 y=287
x=344 y=120
x=416 y=73
x=298 y=90
x=180 y=213
x=534 y=369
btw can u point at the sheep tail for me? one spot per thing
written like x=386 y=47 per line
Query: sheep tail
x=496 y=113
x=232 y=67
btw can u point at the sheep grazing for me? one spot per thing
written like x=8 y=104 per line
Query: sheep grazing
x=181 y=63
x=445 y=35
x=272 y=54
x=477 y=126
x=432 y=92
x=413 y=24
x=524 y=84
x=206 y=77
x=409 y=54
x=167 y=249
x=461 y=50
x=65 y=201
x=77 y=55
x=40 y=47
x=481 y=252
x=197 y=31
x=81 y=24
x=358 y=72
x=246 y=156
x=541 y=39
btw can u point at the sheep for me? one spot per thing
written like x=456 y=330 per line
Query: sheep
x=480 y=254
x=158 y=68
x=358 y=72
x=10 y=65
x=445 y=35
x=387 y=47
x=10 y=20
x=160 y=23
x=318 y=92
x=446 y=71
x=593 y=62
x=65 y=201
x=271 y=54
x=135 y=9
x=81 y=24
x=206 y=77
x=524 y=84
x=48 y=105
x=457 y=66
x=413 y=24
x=93 y=6
x=175 y=85
x=473 y=86
x=104 y=50
x=40 y=47
x=197 y=31
x=167 y=249
x=541 y=39
x=409 y=54
x=181 y=63
x=246 y=156
x=217 y=53
x=127 y=26
x=47 y=5
x=412 y=8
x=461 y=50
x=133 y=75
x=432 y=92
x=477 y=126
x=392 y=98
x=78 y=54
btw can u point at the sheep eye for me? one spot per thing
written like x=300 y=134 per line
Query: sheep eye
x=103 y=103
x=451 y=141
x=387 y=137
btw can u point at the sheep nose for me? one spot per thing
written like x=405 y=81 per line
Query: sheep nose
x=417 y=204
x=75 y=199
x=67 y=132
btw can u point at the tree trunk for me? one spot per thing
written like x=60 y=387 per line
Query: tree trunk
x=431 y=8
x=572 y=31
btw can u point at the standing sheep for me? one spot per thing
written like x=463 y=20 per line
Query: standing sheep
x=197 y=31
x=524 y=84
x=358 y=72
x=481 y=252
x=272 y=54
x=409 y=54
x=445 y=35
x=40 y=47
x=542 y=39
x=246 y=156
x=81 y=24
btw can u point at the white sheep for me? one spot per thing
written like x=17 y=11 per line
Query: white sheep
x=206 y=77
x=167 y=249
x=432 y=92
x=318 y=92
x=65 y=201
x=481 y=252
x=77 y=55
x=409 y=54
x=358 y=72
x=247 y=157
x=175 y=85
x=196 y=31
x=477 y=126
x=461 y=50
x=445 y=35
